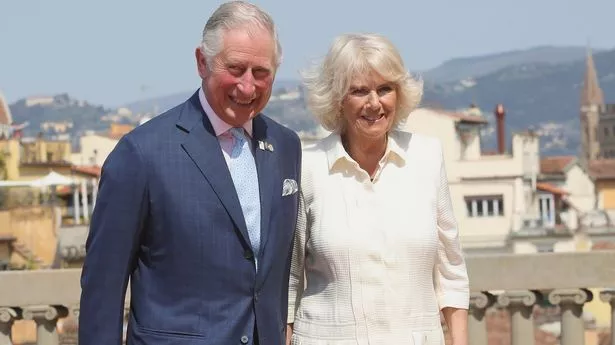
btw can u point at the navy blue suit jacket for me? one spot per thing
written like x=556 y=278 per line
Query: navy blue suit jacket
x=168 y=218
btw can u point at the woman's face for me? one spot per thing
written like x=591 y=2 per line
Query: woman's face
x=369 y=107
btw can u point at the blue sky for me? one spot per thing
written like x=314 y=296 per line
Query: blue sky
x=116 y=51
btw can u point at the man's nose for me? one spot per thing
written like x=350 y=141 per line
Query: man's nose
x=246 y=84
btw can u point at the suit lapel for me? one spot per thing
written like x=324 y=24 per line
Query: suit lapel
x=267 y=175
x=202 y=145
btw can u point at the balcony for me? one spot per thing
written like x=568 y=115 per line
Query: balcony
x=508 y=282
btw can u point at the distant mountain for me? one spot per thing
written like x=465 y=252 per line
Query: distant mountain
x=540 y=95
x=539 y=87
x=450 y=71
x=164 y=103
x=39 y=111
x=478 y=66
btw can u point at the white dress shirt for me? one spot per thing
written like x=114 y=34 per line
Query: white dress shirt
x=221 y=128
x=379 y=259
x=225 y=138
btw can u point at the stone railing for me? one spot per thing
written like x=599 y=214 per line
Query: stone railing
x=513 y=282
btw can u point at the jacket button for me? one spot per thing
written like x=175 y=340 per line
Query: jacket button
x=248 y=254
x=244 y=339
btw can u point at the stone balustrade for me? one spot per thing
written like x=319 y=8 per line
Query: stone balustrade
x=514 y=282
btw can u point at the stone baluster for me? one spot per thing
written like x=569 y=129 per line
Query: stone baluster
x=46 y=318
x=75 y=311
x=520 y=304
x=7 y=317
x=477 y=325
x=571 y=303
x=608 y=296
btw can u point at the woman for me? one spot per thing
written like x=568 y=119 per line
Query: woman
x=376 y=239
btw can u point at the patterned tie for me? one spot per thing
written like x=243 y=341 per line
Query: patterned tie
x=245 y=178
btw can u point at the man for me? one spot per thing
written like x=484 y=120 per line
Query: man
x=198 y=207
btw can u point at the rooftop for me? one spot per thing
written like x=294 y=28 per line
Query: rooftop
x=555 y=164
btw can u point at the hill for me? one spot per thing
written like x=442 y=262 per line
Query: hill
x=78 y=115
x=539 y=87
x=478 y=66
x=161 y=104
x=544 y=96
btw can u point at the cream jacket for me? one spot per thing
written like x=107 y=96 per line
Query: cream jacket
x=374 y=262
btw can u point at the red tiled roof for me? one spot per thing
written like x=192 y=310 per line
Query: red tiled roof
x=555 y=164
x=602 y=169
x=550 y=188
x=92 y=170
x=7 y=238
x=5 y=112
x=603 y=245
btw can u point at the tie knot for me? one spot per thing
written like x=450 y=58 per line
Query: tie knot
x=238 y=133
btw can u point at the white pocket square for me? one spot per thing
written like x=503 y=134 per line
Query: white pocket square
x=289 y=187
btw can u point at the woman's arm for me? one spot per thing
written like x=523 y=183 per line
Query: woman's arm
x=451 y=276
x=457 y=322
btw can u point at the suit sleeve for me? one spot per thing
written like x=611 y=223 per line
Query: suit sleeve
x=112 y=242
x=451 y=277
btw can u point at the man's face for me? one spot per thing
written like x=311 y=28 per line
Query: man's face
x=238 y=83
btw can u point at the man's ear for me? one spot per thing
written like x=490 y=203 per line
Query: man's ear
x=201 y=62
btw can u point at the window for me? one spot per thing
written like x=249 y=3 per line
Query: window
x=546 y=209
x=544 y=248
x=485 y=206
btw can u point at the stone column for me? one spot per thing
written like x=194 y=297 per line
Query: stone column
x=75 y=311
x=7 y=317
x=571 y=302
x=46 y=318
x=608 y=296
x=520 y=304
x=477 y=325
x=76 y=211
x=94 y=192
x=84 y=202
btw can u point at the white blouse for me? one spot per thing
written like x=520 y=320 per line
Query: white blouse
x=374 y=262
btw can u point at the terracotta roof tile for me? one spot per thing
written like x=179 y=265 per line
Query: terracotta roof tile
x=603 y=245
x=551 y=188
x=555 y=164
x=7 y=238
x=92 y=170
x=602 y=169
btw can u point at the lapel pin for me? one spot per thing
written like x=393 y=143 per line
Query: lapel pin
x=261 y=145
x=269 y=147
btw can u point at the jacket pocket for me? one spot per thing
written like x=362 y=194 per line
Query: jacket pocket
x=169 y=334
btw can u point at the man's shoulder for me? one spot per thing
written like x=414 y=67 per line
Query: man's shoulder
x=279 y=130
x=158 y=128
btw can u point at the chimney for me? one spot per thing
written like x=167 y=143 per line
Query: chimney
x=501 y=131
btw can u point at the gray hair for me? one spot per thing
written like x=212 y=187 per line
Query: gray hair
x=232 y=15
x=350 y=55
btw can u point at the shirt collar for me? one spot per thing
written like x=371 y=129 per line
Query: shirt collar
x=220 y=127
x=335 y=151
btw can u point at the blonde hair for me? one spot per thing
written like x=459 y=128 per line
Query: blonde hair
x=350 y=55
